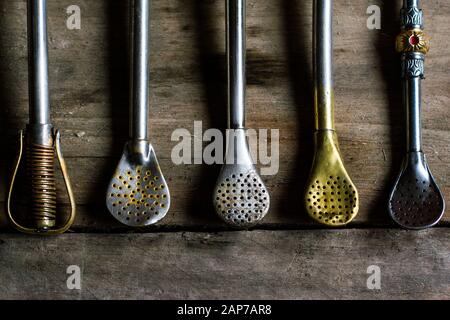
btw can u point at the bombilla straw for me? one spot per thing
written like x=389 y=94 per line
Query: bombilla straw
x=240 y=196
x=138 y=194
x=331 y=197
x=416 y=201
x=41 y=142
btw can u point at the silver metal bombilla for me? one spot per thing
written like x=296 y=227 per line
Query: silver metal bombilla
x=415 y=201
x=138 y=194
x=41 y=141
x=240 y=196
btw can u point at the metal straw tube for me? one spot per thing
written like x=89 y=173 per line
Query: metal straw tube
x=323 y=70
x=412 y=64
x=412 y=100
x=140 y=69
x=38 y=62
x=410 y=3
x=236 y=39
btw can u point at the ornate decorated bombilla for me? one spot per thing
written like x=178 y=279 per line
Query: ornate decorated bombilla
x=416 y=201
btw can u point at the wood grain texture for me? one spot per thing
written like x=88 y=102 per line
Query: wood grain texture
x=230 y=265
x=88 y=73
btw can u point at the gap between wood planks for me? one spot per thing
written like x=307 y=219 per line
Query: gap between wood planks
x=216 y=229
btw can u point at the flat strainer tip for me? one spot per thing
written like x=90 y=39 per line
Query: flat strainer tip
x=138 y=194
x=331 y=197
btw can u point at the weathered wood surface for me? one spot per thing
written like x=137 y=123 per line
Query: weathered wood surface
x=321 y=264
x=89 y=96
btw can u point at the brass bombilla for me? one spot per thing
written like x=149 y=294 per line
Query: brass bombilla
x=331 y=197
x=40 y=141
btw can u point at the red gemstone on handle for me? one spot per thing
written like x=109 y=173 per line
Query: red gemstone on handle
x=414 y=40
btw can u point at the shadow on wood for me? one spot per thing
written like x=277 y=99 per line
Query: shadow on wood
x=117 y=60
x=397 y=118
x=212 y=63
x=296 y=32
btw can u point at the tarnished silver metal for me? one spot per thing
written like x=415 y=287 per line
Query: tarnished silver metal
x=240 y=197
x=138 y=194
x=415 y=201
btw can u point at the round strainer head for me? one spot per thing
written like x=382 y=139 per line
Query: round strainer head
x=333 y=201
x=241 y=198
x=416 y=201
x=331 y=197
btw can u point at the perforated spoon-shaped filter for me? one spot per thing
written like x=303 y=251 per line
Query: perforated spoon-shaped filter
x=240 y=197
x=415 y=201
x=331 y=197
x=138 y=194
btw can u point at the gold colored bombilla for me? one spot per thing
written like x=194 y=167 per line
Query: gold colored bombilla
x=40 y=141
x=331 y=197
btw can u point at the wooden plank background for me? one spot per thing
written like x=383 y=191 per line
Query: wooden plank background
x=89 y=97
x=309 y=264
